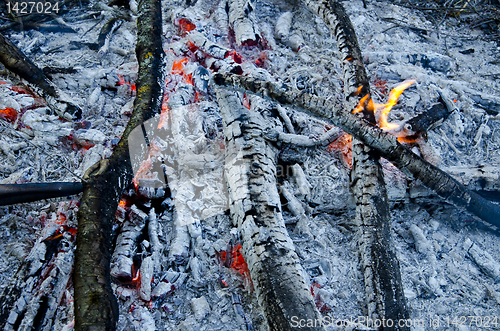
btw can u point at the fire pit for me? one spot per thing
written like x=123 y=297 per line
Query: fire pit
x=250 y=166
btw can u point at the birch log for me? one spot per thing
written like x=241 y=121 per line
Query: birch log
x=384 y=290
x=255 y=208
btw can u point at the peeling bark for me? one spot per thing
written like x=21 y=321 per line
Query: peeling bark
x=95 y=306
x=255 y=208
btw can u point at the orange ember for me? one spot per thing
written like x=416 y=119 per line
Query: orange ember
x=237 y=262
x=122 y=204
x=185 y=25
x=178 y=68
x=381 y=111
x=8 y=114
x=245 y=101
x=343 y=146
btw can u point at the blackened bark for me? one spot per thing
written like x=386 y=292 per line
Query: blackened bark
x=384 y=291
x=95 y=306
x=386 y=144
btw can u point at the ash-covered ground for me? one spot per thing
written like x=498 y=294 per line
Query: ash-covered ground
x=450 y=262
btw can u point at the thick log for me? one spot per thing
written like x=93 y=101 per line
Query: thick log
x=14 y=60
x=255 y=208
x=386 y=144
x=19 y=193
x=95 y=306
x=384 y=290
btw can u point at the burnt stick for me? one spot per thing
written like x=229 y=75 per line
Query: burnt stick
x=250 y=171
x=384 y=290
x=386 y=144
x=14 y=60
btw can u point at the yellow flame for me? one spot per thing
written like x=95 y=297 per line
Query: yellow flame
x=386 y=108
x=382 y=110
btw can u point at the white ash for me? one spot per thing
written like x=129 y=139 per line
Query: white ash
x=426 y=231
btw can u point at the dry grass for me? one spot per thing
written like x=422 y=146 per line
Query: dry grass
x=476 y=14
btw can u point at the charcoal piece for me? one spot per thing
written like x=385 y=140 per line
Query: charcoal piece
x=436 y=62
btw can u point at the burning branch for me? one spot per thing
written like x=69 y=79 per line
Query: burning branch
x=95 y=306
x=384 y=143
x=384 y=290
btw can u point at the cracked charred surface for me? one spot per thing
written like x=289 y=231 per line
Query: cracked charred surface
x=380 y=267
x=96 y=307
x=256 y=210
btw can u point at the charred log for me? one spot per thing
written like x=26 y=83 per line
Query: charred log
x=387 y=145
x=14 y=60
x=95 y=306
x=380 y=267
x=255 y=208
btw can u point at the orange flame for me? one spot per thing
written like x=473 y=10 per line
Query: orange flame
x=382 y=110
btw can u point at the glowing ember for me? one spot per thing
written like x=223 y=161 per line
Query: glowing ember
x=236 y=261
x=236 y=57
x=381 y=111
x=122 y=204
x=8 y=114
x=320 y=304
x=245 y=101
x=144 y=171
x=343 y=146
x=178 y=68
x=184 y=24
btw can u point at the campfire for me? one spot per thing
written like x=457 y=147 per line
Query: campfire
x=240 y=165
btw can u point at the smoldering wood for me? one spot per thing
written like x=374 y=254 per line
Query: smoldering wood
x=14 y=60
x=95 y=305
x=19 y=193
x=250 y=171
x=34 y=293
x=430 y=119
x=387 y=145
x=126 y=245
x=243 y=21
x=380 y=267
